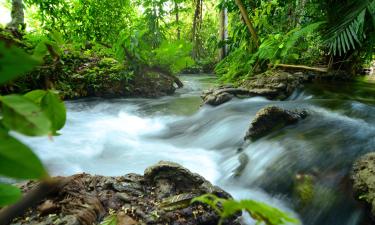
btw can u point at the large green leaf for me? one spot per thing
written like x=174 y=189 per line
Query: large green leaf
x=54 y=109
x=261 y=212
x=17 y=160
x=9 y=194
x=24 y=116
x=36 y=95
x=14 y=62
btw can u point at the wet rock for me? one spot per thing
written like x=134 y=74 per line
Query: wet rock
x=243 y=159
x=363 y=177
x=274 y=84
x=222 y=95
x=161 y=196
x=270 y=119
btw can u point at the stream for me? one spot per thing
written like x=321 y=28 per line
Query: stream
x=119 y=136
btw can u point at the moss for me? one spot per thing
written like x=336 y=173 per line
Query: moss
x=304 y=189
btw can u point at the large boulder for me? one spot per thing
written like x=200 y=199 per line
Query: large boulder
x=274 y=84
x=270 y=119
x=161 y=196
x=153 y=84
x=363 y=177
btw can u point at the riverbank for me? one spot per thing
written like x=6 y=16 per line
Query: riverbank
x=89 y=71
x=162 y=195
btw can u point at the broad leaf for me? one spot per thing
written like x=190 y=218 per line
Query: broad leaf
x=17 y=160
x=55 y=110
x=14 y=62
x=9 y=194
x=24 y=116
x=36 y=96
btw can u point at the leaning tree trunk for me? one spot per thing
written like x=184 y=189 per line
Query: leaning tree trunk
x=247 y=20
x=18 y=17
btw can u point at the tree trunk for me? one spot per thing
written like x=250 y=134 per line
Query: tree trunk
x=18 y=18
x=223 y=33
x=176 y=9
x=247 y=20
x=197 y=22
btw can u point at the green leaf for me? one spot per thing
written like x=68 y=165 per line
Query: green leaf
x=9 y=194
x=54 y=109
x=36 y=96
x=14 y=62
x=17 y=160
x=24 y=116
x=257 y=210
x=110 y=220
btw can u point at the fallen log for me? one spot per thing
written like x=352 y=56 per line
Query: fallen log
x=302 y=67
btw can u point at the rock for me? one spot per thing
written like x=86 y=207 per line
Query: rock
x=48 y=207
x=273 y=84
x=363 y=177
x=243 y=159
x=222 y=95
x=161 y=196
x=153 y=84
x=271 y=118
x=123 y=219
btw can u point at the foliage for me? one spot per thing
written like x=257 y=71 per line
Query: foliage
x=37 y=113
x=134 y=48
x=110 y=220
x=259 y=211
x=275 y=49
x=350 y=25
x=10 y=67
x=173 y=55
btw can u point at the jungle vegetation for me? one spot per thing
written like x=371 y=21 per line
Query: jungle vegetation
x=234 y=38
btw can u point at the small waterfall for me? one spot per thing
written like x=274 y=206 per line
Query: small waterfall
x=119 y=136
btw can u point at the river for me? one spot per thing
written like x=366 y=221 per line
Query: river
x=119 y=136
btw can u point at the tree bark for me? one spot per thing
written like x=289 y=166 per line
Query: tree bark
x=223 y=33
x=177 y=9
x=197 y=22
x=18 y=17
x=247 y=20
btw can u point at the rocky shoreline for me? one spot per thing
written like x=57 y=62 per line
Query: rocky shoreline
x=161 y=196
x=273 y=84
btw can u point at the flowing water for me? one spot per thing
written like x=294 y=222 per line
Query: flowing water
x=310 y=159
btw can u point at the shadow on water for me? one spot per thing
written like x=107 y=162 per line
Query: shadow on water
x=302 y=168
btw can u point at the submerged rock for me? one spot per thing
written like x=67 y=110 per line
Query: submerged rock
x=270 y=119
x=161 y=196
x=363 y=177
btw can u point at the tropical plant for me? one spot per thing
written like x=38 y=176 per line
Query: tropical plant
x=261 y=212
x=349 y=25
x=37 y=113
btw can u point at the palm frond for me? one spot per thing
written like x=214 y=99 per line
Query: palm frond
x=347 y=32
